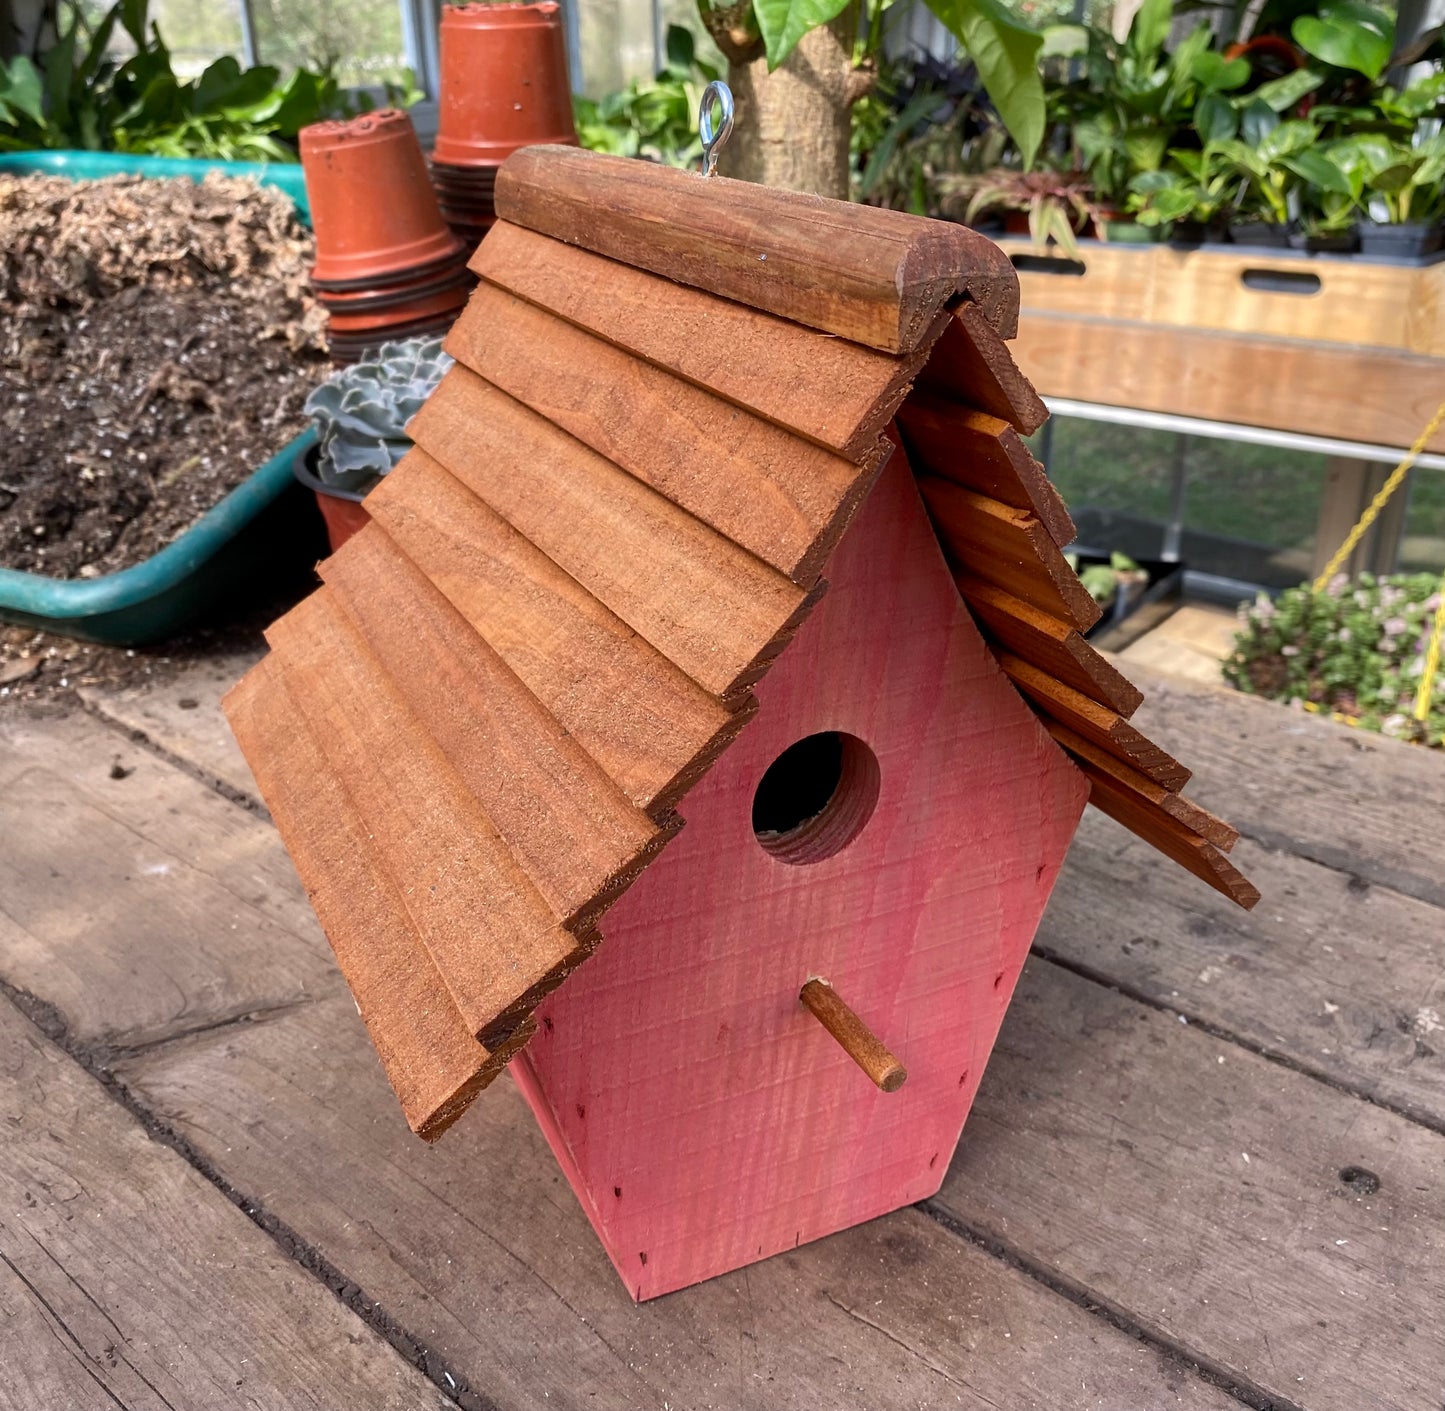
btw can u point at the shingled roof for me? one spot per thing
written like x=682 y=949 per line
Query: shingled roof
x=671 y=396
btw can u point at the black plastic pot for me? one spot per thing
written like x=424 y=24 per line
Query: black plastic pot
x=1410 y=240
x=1339 y=242
x=1258 y=232
x=1186 y=234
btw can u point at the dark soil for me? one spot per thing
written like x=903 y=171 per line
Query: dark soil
x=157 y=343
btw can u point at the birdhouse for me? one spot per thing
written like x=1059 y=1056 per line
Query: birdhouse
x=702 y=720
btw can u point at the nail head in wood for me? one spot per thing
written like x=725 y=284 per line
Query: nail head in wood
x=855 y=1038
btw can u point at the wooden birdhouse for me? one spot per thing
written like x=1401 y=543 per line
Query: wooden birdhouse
x=714 y=643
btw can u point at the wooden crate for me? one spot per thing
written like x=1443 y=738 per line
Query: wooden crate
x=1272 y=293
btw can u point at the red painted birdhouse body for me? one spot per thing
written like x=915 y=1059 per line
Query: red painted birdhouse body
x=704 y=1118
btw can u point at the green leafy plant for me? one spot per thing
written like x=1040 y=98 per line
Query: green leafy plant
x=1347 y=34
x=1104 y=581
x=1357 y=649
x=1056 y=202
x=84 y=96
x=1271 y=166
x=654 y=118
x=1403 y=181
x=361 y=412
x=1194 y=186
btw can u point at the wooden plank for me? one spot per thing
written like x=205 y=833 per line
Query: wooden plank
x=472 y=1245
x=136 y=901
x=1098 y=763
x=428 y=1052
x=495 y=941
x=1356 y=394
x=573 y=832
x=785 y=500
x=1097 y=723
x=1049 y=644
x=1009 y=548
x=1300 y=783
x=1225 y=288
x=1204 y=1202
x=1112 y=794
x=182 y=717
x=982 y=453
x=128 y=1280
x=651 y=728
x=872 y=276
x=973 y=365
x=831 y=391
x=707 y=605
x=1336 y=977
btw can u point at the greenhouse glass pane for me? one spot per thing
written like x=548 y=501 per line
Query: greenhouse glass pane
x=360 y=41
x=1251 y=511
x=1116 y=481
x=1423 y=547
x=615 y=40
x=197 y=32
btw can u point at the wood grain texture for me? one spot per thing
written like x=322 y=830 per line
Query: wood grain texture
x=128 y=1280
x=1318 y=774
x=836 y=393
x=1203 y=1201
x=921 y=922
x=1388 y=397
x=1336 y=977
x=650 y=727
x=475 y=1244
x=1096 y=762
x=494 y=940
x=1112 y=791
x=1355 y=301
x=785 y=500
x=428 y=1051
x=1095 y=722
x=872 y=276
x=709 y=606
x=1009 y=548
x=982 y=453
x=136 y=901
x=570 y=828
x=972 y=364
x=1049 y=644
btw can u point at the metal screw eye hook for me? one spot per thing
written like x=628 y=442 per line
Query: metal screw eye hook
x=714 y=138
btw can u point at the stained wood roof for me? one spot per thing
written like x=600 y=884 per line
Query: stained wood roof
x=670 y=397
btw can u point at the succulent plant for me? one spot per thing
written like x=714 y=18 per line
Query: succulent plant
x=362 y=411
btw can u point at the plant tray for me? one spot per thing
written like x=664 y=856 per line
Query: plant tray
x=265 y=525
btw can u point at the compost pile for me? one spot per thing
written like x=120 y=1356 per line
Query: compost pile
x=157 y=341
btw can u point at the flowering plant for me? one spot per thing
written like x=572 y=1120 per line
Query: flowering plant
x=1357 y=649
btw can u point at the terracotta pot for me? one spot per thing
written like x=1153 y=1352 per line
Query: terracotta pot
x=372 y=204
x=409 y=311
x=504 y=82
x=341 y=509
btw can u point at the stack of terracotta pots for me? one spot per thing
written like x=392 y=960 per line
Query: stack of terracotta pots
x=503 y=86
x=386 y=266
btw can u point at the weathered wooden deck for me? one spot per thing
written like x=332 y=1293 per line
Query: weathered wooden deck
x=1205 y=1169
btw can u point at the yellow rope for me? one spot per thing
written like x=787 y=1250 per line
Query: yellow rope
x=1372 y=512
x=1432 y=662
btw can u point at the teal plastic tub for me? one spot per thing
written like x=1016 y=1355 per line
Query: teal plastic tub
x=267 y=528
x=91 y=166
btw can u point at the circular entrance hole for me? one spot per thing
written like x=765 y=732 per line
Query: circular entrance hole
x=815 y=798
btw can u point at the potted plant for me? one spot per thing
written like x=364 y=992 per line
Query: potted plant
x=1055 y=202
x=1271 y=167
x=1189 y=196
x=361 y=414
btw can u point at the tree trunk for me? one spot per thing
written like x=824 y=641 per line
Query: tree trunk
x=792 y=125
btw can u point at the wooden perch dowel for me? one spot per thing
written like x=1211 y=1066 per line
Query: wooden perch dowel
x=857 y=1040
